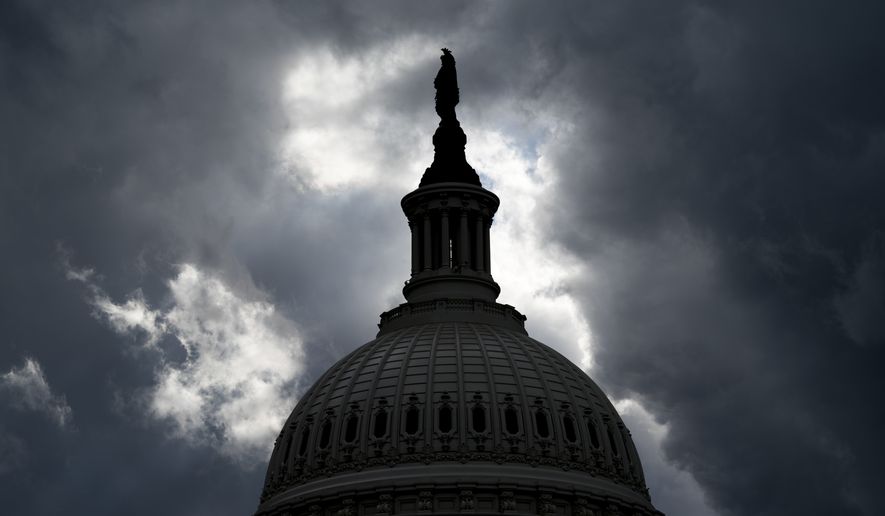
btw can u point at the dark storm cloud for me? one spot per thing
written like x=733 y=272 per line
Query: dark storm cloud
x=130 y=134
x=729 y=198
x=719 y=173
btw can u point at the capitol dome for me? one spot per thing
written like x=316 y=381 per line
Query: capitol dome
x=453 y=408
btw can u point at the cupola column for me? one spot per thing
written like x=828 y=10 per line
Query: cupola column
x=465 y=240
x=487 y=250
x=480 y=249
x=416 y=246
x=444 y=245
x=428 y=258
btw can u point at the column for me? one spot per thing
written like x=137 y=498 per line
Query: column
x=428 y=259
x=487 y=251
x=416 y=246
x=480 y=247
x=465 y=240
x=444 y=256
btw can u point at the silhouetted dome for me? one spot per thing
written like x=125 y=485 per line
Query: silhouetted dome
x=436 y=405
x=453 y=408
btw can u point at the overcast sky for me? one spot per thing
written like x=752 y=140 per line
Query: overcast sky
x=199 y=213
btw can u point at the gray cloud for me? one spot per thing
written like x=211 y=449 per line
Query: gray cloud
x=27 y=389
x=728 y=199
x=713 y=169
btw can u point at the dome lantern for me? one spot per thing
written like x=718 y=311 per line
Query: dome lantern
x=450 y=213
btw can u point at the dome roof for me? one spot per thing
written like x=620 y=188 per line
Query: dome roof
x=440 y=403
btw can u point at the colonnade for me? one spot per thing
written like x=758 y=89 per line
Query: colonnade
x=450 y=238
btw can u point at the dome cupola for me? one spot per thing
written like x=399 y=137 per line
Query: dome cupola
x=453 y=409
x=450 y=213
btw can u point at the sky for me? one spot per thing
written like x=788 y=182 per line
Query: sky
x=199 y=214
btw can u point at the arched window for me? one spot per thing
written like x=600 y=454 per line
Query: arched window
x=542 y=425
x=611 y=441
x=591 y=429
x=445 y=419
x=305 y=437
x=351 y=428
x=568 y=424
x=479 y=418
x=288 y=448
x=511 y=420
x=326 y=434
x=380 y=429
x=413 y=418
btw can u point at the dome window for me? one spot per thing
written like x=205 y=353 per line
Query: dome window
x=568 y=424
x=542 y=426
x=413 y=418
x=445 y=419
x=479 y=418
x=305 y=438
x=511 y=420
x=288 y=447
x=326 y=434
x=612 y=442
x=351 y=427
x=591 y=429
x=380 y=428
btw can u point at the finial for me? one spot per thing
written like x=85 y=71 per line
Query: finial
x=449 y=163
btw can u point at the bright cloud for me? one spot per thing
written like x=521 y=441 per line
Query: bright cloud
x=234 y=388
x=534 y=273
x=28 y=390
x=339 y=137
x=132 y=315
x=242 y=359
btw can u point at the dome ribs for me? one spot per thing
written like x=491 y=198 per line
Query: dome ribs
x=330 y=390
x=461 y=400
x=294 y=422
x=371 y=397
x=528 y=437
x=446 y=372
x=459 y=367
x=398 y=406
x=463 y=366
x=544 y=440
x=565 y=375
x=494 y=417
x=429 y=404
x=596 y=407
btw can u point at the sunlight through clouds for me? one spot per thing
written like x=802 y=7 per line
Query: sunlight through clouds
x=534 y=274
x=340 y=136
x=341 y=140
